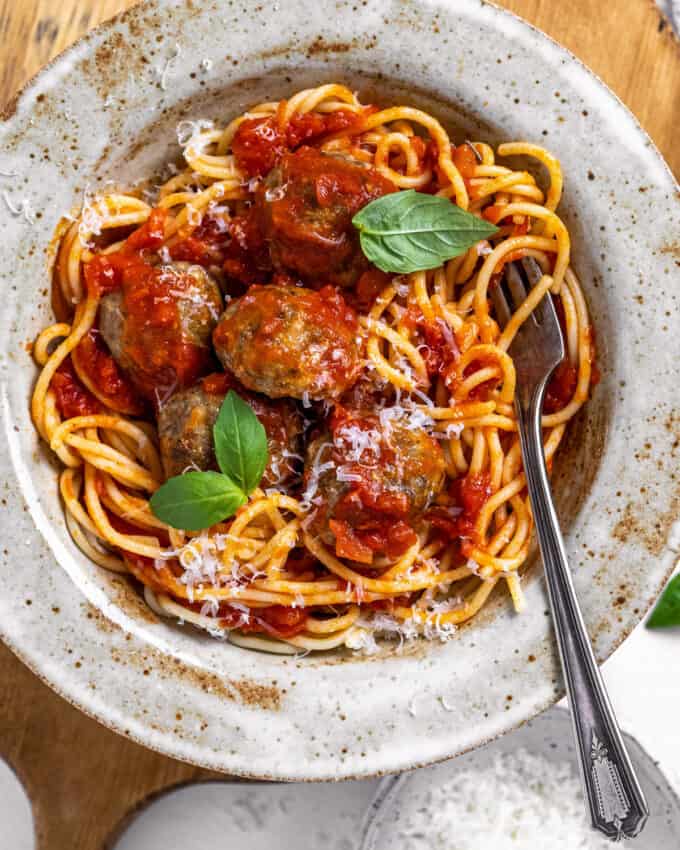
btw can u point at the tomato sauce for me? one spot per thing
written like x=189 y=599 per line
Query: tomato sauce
x=438 y=347
x=482 y=391
x=72 y=398
x=144 y=570
x=369 y=517
x=463 y=157
x=277 y=620
x=246 y=257
x=368 y=288
x=155 y=343
x=468 y=496
x=150 y=235
x=494 y=213
x=562 y=384
x=260 y=143
x=219 y=383
x=561 y=387
x=92 y=358
x=465 y=160
x=154 y=337
x=306 y=215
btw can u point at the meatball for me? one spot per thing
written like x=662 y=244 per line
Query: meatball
x=305 y=207
x=158 y=325
x=370 y=481
x=185 y=428
x=290 y=341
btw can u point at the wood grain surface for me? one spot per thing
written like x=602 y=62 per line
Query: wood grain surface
x=81 y=777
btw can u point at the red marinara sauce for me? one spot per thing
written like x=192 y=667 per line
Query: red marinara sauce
x=562 y=384
x=462 y=156
x=277 y=620
x=105 y=272
x=389 y=483
x=561 y=387
x=259 y=143
x=465 y=160
x=468 y=496
x=72 y=398
x=305 y=210
x=159 y=353
x=219 y=383
x=206 y=244
x=94 y=364
x=436 y=342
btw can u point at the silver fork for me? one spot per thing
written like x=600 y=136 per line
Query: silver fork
x=617 y=805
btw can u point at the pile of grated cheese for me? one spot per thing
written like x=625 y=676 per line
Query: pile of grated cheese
x=522 y=801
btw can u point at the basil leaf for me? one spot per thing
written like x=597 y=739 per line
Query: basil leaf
x=196 y=500
x=667 y=609
x=240 y=443
x=410 y=231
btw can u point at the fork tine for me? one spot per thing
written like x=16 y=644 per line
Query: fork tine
x=503 y=311
x=515 y=285
x=532 y=270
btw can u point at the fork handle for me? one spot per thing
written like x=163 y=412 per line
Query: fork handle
x=617 y=805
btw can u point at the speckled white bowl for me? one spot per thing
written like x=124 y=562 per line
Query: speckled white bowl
x=106 y=109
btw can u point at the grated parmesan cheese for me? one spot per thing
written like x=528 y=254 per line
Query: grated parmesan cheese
x=92 y=217
x=522 y=801
x=187 y=131
x=22 y=209
x=362 y=641
x=315 y=474
x=358 y=444
x=164 y=72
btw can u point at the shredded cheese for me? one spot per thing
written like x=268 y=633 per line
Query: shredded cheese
x=22 y=209
x=522 y=801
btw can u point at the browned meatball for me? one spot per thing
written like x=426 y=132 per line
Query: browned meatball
x=306 y=205
x=290 y=341
x=185 y=428
x=370 y=482
x=158 y=325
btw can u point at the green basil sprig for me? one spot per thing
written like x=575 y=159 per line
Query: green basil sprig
x=240 y=443
x=197 y=500
x=667 y=609
x=410 y=231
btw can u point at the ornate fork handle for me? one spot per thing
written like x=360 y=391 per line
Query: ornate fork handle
x=617 y=805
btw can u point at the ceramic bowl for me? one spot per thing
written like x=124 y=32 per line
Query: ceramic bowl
x=397 y=800
x=107 y=110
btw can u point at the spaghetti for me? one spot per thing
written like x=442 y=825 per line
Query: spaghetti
x=430 y=351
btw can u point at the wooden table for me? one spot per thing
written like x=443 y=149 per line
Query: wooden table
x=81 y=777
